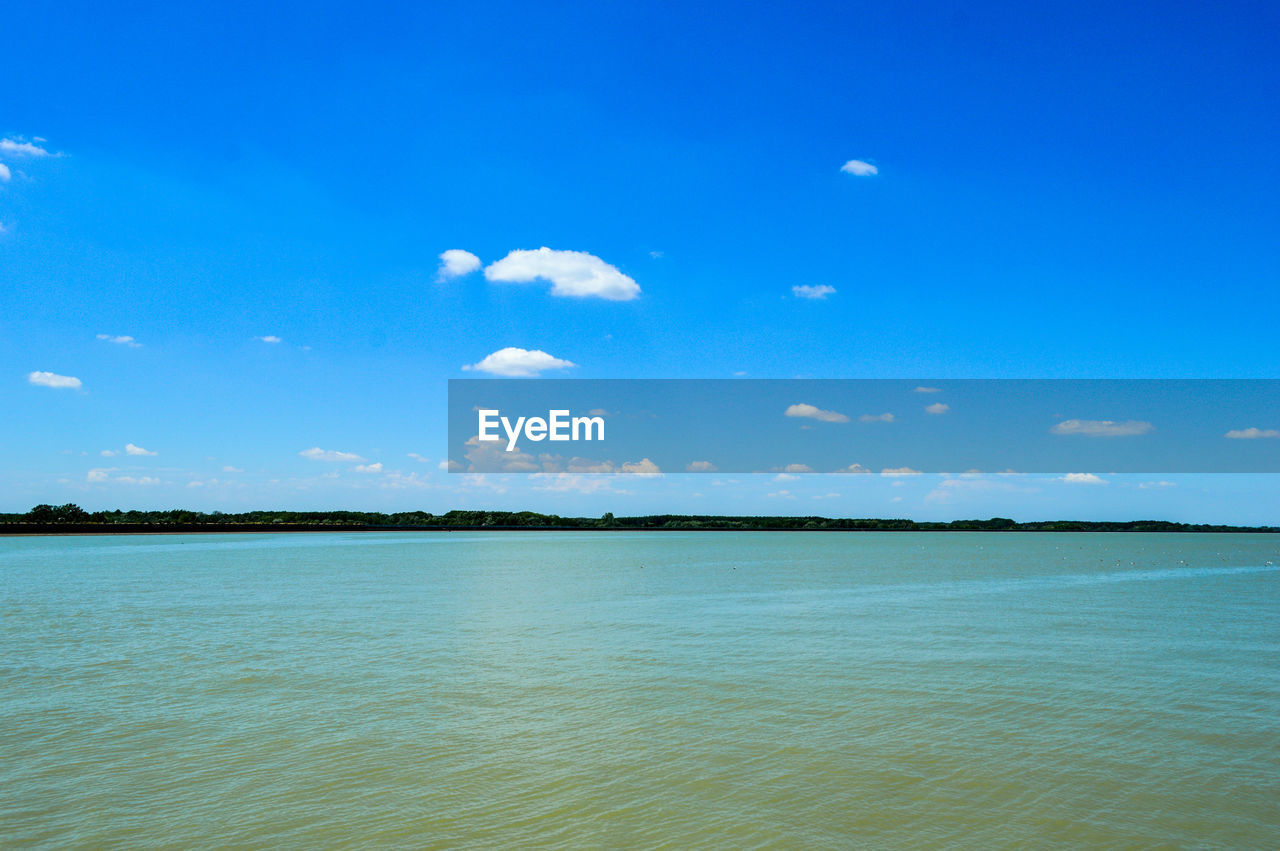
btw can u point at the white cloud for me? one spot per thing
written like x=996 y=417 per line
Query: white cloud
x=132 y=449
x=315 y=453
x=876 y=418
x=518 y=363
x=1102 y=428
x=1082 y=479
x=859 y=168
x=270 y=338
x=22 y=148
x=938 y=408
x=121 y=340
x=1161 y=485
x=571 y=273
x=643 y=467
x=50 y=379
x=701 y=467
x=1252 y=433
x=854 y=469
x=369 y=468
x=455 y=263
x=821 y=291
x=797 y=468
x=447 y=466
x=421 y=459
x=899 y=471
x=5 y=174
x=813 y=412
x=98 y=474
x=928 y=390
x=229 y=469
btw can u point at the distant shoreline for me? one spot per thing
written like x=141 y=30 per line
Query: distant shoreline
x=527 y=522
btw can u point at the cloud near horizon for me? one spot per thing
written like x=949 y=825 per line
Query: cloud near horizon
x=514 y=362
x=818 y=293
x=1102 y=428
x=52 y=379
x=813 y=412
x=131 y=449
x=121 y=340
x=315 y=453
x=1252 y=433
x=575 y=274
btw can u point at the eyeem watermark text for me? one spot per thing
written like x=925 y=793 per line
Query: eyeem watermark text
x=558 y=425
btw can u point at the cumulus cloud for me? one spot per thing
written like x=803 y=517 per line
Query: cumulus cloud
x=813 y=412
x=821 y=291
x=5 y=174
x=876 y=418
x=22 y=148
x=51 y=379
x=859 y=168
x=1102 y=428
x=643 y=467
x=928 y=390
x=120 y=340
x=455 y=263
x=98 y=474
x=701 y=467
x=938 y=408
x=854 y=469
x=270 y=338
x=1252 y=433
x=518 y=363
x=108 y=453
x=571 y=273
x=133 y=449
x=893 y=472
x=369 y=468
x=797 y=468
x=315 y=453
x=1082 y=479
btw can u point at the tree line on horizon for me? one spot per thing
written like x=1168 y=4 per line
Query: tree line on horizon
x=70 y=517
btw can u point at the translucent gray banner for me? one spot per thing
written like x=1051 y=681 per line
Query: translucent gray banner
x=888 y=427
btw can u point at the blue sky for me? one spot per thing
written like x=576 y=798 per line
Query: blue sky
x=1084 y=190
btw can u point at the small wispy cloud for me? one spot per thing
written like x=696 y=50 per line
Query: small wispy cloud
x=19 y=147
x=1253 y=433
x=5 y=174
x=1102 y=428
x=886 y=417
x=52 y=379
x=133 y=449
x=229 y=469
x=270 y=338
x=315 y=453
x=816 y=293
x=937 y=408
x=120 y=340
x=701 y=467
x=813 y=412
x=455 y=263
x=369 y=468
x=895 y=472
x=860 y=168
x=514 y=362
x=928 y=390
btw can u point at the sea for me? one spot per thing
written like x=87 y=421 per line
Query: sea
x=675 y=690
